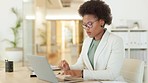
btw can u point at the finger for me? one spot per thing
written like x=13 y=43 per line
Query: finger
x=64 y=65
x=61 y=63
x=64 y=73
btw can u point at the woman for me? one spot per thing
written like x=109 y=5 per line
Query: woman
x=102 y=52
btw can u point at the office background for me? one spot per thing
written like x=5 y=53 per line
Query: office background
x=39 y=14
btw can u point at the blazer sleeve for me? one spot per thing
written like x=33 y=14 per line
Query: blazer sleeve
x=113 y=67
x=80 y=63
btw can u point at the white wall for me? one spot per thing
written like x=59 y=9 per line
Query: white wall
x=7 y=20
x=122 y=11
x=129 y=10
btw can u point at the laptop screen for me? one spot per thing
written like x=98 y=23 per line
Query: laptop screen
x=42 y=69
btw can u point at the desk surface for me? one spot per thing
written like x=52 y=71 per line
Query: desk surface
x=22 y=74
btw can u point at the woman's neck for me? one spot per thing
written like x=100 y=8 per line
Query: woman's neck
x=100 y=35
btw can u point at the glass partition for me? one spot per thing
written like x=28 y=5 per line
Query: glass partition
x=64 y=40
x=55 y=39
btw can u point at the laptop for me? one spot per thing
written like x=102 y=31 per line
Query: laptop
x=44 y=71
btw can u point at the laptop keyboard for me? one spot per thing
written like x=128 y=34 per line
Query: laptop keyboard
x=70 y=79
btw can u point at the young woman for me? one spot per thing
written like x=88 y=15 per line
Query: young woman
x=102 y=52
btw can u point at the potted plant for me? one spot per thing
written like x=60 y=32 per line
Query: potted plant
x=43 y=44
x=15 y=52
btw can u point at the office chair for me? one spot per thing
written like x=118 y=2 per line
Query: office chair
x=133 y=70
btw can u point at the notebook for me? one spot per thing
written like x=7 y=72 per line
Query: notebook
x=44 y=71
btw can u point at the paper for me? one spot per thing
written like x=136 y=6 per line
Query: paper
x=55 y=68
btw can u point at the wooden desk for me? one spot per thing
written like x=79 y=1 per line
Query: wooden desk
x=22 y=75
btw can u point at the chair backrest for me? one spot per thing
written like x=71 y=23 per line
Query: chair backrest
x=133 y=70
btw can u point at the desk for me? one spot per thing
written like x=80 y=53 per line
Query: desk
x=22 y=75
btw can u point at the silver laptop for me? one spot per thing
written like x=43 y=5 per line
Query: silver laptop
x=43 y=70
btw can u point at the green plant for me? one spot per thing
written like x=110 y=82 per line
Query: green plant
x=15 y=29
x=43 y=36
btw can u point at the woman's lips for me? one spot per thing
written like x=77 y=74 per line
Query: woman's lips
x=88 y=33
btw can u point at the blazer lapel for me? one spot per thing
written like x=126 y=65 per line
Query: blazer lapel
x=100 y=47
x=87 y=62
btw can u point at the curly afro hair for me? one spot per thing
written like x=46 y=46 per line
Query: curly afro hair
x=98 y=8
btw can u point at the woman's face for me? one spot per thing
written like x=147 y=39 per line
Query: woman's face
x=93 y=26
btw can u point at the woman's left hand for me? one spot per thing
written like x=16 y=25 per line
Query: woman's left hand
x=74 y=73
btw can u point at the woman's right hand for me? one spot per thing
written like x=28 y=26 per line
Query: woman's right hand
x=64 y=65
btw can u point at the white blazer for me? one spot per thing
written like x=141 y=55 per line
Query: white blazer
x=108 y=59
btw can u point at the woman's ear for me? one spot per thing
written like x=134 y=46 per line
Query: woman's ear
x=102 y=22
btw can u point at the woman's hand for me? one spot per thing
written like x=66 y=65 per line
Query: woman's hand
x=74 y=73
x=64 y=65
